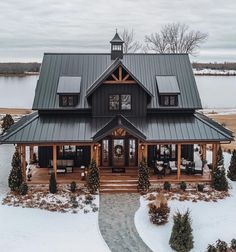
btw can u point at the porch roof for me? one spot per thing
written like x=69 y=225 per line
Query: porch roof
x=73 y=128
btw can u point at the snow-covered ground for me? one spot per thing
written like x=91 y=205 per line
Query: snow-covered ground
x=210 y=221
x=36 y=230
x=213 y=72
x=25 y=229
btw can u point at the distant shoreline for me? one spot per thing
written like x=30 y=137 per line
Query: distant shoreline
x=15 y=111
x=19 y=75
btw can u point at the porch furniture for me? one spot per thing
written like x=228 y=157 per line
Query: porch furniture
x=63 y=165
x=173 y=166
x=160 y=169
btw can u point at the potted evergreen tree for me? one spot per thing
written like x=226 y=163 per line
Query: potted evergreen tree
x=93 y=180
x=232 y=167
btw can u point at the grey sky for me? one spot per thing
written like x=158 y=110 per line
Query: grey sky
x=30 y=28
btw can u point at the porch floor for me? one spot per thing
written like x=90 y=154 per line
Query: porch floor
x=41 y=176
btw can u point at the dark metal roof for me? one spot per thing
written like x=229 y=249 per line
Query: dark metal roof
x=116 y=39
x=167 y=85
x=118 y=122
x=145 y=68
x=74 y=128
x=115 y=64
x=69 y=85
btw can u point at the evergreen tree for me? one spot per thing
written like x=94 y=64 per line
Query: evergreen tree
x=219 y=180
x=220 y=157
x=15 y=178
x=7 y=121
x=232 y=167
x=143 y=178
x=93 y=180
x=181 y=239
x=52 y=184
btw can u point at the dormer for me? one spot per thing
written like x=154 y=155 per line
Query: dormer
x=168 y=90
x=68 y=90
x=116 y=47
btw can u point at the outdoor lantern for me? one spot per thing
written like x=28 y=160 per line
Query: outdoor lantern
x=142 y=147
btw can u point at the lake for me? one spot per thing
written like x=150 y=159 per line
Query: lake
x=215 y=91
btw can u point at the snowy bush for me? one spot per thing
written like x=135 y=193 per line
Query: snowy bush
x=52 y=184
x=232 y=167
x=143 y=177
x=159 y=215
x=167 y=186
x=181 y=239
x=73 y=186
x=222 y=246
x=15 y=178
x=23 y=189
x=183 y=185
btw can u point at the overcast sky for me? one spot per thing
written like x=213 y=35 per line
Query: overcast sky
x=30 y=28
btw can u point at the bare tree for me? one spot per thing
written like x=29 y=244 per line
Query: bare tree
x=175 y=38
x=130 y=44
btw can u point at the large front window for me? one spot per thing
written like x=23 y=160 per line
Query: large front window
x=120 y=102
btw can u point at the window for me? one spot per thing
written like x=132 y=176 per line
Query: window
x=125 y=102
x=168 y=100
x=114 y=102
x=120 y=102
x=116 y=47
x=68 y=100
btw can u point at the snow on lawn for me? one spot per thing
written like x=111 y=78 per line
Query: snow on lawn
x=25 y=229
x=210 y=221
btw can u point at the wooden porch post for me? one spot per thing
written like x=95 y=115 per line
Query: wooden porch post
x=31 y=152
x=55 y=160
x=23 y=163
x=204 y=151
x=179 y=161
x=145 y=152
x=214 y=155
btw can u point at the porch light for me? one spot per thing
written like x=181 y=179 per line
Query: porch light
x=95 y=147
x=142 y=147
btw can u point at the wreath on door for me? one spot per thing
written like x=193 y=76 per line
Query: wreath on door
x=119 y=150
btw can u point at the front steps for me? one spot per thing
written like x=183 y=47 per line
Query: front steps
x=118 y=182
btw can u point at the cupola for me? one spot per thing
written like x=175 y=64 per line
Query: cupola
x=116 y=47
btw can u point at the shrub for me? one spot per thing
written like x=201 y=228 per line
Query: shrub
x=23 y=189
x=93 y=179
x=183 y=185
x=219 y=180
x=7 y=121
x=211 y=248
x=52 y=184
x=143 y=178
x=159 y=215
x=233 y=244
x=167 y=186
x=181 y=238
x=73 y=186
x=232 y=167
x=15 y=178
x=221 y=246
x=200 y=187
x=88 y=199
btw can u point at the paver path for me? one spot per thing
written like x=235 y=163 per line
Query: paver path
x=116 y=222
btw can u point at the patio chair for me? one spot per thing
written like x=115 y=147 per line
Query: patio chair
x=160 y=169
x=173 y=166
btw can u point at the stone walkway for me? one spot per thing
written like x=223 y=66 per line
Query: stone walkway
x=116 y=222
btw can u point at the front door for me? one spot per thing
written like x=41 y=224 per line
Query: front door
x=118 y=152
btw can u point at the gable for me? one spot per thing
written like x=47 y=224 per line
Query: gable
x=116 y=73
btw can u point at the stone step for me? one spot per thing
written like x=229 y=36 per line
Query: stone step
x=118 y=190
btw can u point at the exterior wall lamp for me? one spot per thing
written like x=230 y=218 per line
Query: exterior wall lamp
x=95 y=147
x=142 y=147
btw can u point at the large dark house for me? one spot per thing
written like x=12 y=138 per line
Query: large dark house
x=117 y=109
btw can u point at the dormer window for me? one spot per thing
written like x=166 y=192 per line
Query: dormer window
x=68 y=100
x=168 y=90
x=168 y=100
x=68 y=90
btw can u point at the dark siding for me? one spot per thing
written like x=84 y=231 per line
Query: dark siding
x=44 y=155
x=187 y=152
x=100 y=100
